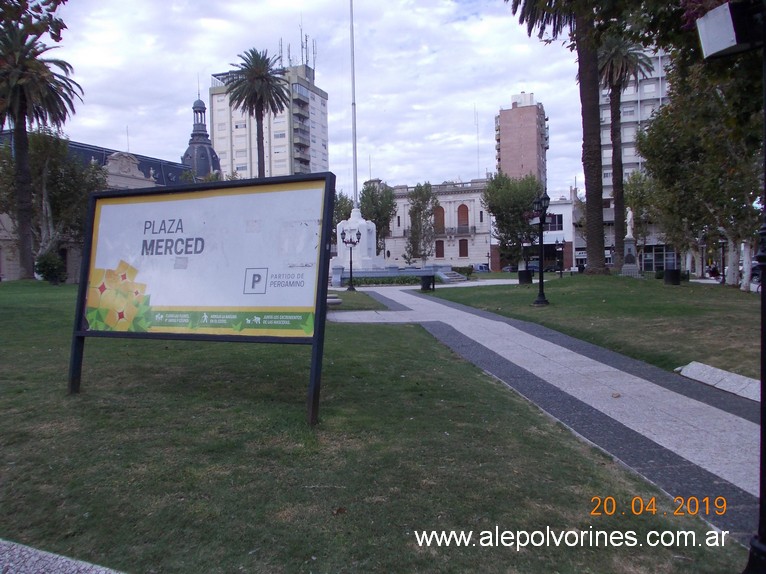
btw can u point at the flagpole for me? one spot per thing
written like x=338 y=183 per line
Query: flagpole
x=353 y=106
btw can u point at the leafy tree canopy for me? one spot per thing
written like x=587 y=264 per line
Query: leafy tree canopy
x=509 y=200
x=422 y=236
x=341 y=211
x=61 y=185
x=703 y=151
x=377 y=204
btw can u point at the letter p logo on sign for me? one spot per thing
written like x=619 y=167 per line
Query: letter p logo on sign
x=255 y=280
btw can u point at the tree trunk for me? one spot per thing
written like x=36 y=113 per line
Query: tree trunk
x=732 y=263
x=24 y=207
x=587 y=58
x=618 y=190
x=259 y=113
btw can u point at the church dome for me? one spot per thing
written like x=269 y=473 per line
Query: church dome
x=200 y=155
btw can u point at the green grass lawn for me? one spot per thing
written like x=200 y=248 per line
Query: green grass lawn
x=666 y=325
x=191 y=457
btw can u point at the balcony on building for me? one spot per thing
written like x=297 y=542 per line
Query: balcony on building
x=300 y=155
x=301 y=94
x=459 y=231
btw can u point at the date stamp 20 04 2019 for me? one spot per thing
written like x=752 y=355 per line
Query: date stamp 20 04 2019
x=637 y=506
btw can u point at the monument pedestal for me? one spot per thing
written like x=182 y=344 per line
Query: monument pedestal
x=630 y=264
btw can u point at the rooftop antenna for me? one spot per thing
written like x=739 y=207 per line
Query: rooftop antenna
x=353 y=106
x=314 y=54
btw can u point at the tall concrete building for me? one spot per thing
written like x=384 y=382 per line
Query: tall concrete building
x=295 y=141
x=638 y=103
x=521 y=136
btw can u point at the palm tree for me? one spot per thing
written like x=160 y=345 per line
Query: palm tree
x=258 y=86
x=619 y=60
x=31 y=91
x=578 y=18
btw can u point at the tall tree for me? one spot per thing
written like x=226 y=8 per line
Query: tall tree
x=341 y=210
x=579 y=19
x=619 y=61
x=256 y=86
x=61 y=185
x=33 y=89
x=638 y=190
x=422 y=236
x=703 y=150
x=509 y=200
x=377 y=204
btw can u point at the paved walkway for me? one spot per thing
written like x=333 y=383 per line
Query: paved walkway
x=688 y=438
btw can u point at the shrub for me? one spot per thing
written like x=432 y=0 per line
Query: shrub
x=51 y=267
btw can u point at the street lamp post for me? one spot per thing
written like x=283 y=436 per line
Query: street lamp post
x=560 y=257
x=540 y=205
x=351 y=242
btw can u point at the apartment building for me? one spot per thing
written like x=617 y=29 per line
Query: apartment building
x=638 y=102
x=521 y=138
x=295 y=140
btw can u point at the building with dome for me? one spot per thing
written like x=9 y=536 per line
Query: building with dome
x=200 y=155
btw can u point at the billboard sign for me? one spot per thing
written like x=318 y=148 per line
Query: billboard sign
x=229 y=261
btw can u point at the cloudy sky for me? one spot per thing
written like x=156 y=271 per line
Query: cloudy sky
x=430 y=77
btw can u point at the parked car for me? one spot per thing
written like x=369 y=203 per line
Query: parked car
x=510 y=268
x=481 y=268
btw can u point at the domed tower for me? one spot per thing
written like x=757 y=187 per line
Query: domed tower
x=200 y=155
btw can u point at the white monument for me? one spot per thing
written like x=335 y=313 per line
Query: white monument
x=630 y=263
x=364 y=252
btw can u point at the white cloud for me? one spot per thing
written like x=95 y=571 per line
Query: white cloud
x=426 y=71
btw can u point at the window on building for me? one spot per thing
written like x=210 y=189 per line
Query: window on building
x=439 y=249
x=650 y=88
x=241 y=167
x=629 y=111
x=398 y=221
x=240 y=125
x=481 y=216
x=221 y=126
x=240 y=153
x=554 y=222
x=607 y=176
x=439 y=220
x=280 y=135
x=463 y=248
x=462 y=216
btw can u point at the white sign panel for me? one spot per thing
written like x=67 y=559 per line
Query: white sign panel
x=237 y=261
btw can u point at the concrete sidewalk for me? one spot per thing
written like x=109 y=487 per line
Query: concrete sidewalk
x=19 y=559
x=688 y=438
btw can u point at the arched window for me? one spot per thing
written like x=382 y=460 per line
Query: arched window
x=462 y=218
x=439 y=220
